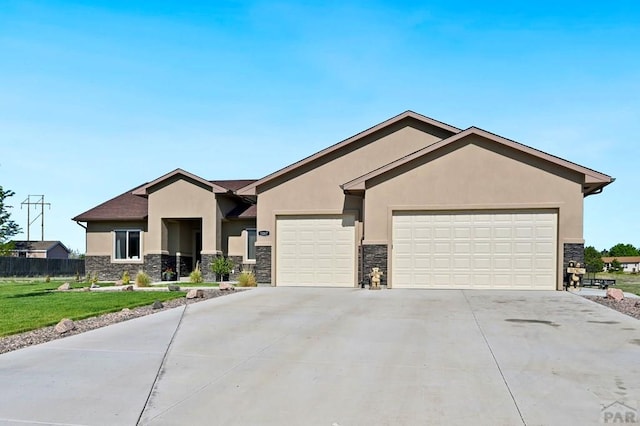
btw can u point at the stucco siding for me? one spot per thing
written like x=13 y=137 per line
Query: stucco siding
x=318 y=189
x=100 y=236
x=234 y=236
x=180 y=199
x=476 y=176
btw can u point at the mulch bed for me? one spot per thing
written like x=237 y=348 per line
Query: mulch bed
x=46 y=334
x=630 y=307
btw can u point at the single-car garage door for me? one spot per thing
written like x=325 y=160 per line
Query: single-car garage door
x=505 y=250
x=315 y=251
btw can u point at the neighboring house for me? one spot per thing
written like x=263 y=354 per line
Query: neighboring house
x=40 y=249
x=431 y=205
x=628 y=263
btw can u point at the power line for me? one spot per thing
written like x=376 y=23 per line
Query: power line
x=39 y=201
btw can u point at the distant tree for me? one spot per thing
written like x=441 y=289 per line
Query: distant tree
x=622 y=250
x=616 y=266
x=593 y=259
x=8 y=228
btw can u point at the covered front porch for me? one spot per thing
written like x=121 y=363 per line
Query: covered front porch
x=181 y=247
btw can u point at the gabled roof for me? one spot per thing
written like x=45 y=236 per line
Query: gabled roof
x=124 y=207
x=407 y=115
x=593 y=180
x=233 y=185
x=144 y=189
x=243 y=211
x=622 y=259
x=133 y=204
x=37 y=245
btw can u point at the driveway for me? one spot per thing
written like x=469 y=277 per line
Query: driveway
x=314 y=356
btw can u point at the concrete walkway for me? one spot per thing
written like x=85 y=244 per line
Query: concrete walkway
x=279 y=356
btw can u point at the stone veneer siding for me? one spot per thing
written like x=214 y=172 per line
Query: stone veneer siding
x=237 y=267
x=108 y=271
x=153 y=265
x=573 y=251
x=263 y=264
x=205 y=267
x=375 y=255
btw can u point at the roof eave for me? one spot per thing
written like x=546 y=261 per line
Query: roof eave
x=252 y=189
x=144 y=190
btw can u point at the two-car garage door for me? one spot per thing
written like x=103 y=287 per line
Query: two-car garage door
x=315 y=251
x=514 y=250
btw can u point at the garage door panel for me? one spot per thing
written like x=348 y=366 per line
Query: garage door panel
x=314 y=250
x=475 y=250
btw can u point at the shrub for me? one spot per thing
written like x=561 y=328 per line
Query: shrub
x=94 y=279
x=77 y=277
x=247 y=279
x=221 y=266
x=196 y=275
x=126 y=279
x=47 y=279
x=87 y=278
x=142 y=279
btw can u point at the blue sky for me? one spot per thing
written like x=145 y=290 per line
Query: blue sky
x=97 y=97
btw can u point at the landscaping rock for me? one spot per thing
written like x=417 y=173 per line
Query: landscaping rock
x=65 y=287
x=119 y=283
x=127 y=288
x=226 y=286
x=157 y=305
x=615 y=294
x=126 y=310
x=95 y=286
x=195 y=294
x=172 y=287
x=65 y=325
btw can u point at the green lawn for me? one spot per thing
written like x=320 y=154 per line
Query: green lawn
x=27 y=305
x=625 y=282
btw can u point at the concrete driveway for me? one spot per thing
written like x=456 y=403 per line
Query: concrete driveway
x=280 y=356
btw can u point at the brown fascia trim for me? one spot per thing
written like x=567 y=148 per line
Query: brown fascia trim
x=144 y=190
x=591 y=176
x=251 y=189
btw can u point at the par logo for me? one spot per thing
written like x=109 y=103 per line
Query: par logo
x=619 y=413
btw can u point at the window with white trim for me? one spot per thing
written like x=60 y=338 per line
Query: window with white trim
x=127 y=244
x=251 y=244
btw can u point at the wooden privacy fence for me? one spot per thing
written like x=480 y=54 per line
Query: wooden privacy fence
x=35 y=267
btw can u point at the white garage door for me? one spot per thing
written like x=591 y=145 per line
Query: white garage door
x=315 y=251
x=510 y=250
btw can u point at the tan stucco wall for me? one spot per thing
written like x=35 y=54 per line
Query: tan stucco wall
x=318 y=189
x=180 y=199
x=476 y=177
x=100 y=236
x=235 y=237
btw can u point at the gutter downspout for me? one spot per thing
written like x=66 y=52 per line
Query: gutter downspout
x=79 y=224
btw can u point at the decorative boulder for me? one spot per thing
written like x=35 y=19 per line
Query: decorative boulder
x=127 y=288
x=119 y=283
x=225 y=286
x=195 y=294
x=615 y=294
x=157 y=305
x=65 y=287
x=95 y=286
x=65 y=325
x=172 y=287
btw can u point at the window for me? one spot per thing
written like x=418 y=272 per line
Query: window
x=127 y=245
x=251 y=244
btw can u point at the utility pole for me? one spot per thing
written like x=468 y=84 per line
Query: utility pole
x=39 y=201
